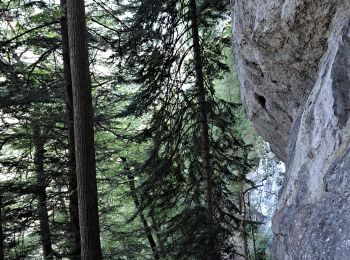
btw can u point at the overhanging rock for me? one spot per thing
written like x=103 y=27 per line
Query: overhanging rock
x=293 y=62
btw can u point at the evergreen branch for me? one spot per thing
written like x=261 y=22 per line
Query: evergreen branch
x=3 y=43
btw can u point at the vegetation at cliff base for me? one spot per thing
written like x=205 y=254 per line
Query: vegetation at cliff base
x=122 y=135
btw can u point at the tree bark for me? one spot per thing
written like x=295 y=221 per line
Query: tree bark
x=83 y=132
x=158 y=236
x=2 y=237
x=146 y=227
x=72 y=177
x=253 y=228
x=39 y=153
x=243 y=228
x=204 y=131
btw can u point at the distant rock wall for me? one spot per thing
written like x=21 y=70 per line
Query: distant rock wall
x=293 y=62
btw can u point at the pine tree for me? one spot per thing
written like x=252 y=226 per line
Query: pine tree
x=148 y=231
x=204 y=130
x=179 y=196
x=41 y=182
x=175 y=56
x=83 y=132
x=73 y=196
x=33 y=147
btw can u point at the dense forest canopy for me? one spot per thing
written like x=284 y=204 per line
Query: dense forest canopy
x=122 y=133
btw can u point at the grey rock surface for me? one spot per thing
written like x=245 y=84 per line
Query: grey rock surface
x=293 y=62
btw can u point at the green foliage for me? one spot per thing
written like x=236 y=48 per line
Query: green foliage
x=146 y=111
x=263 y=246
x=160 y=59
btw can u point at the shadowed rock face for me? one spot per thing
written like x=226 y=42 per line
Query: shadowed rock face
x=293 y=61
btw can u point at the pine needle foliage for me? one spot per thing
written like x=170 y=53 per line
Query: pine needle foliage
x=160 y=59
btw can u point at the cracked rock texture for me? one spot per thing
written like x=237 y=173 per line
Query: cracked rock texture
x=293 y=62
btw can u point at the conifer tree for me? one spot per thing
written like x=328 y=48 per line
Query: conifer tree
x=179 y=194
x=83 y=132
x=39 y=141
x=73 y=195
x=31 y=124
x=174 y=54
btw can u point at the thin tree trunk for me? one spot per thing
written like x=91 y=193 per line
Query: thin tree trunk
x=83 y=132
x=39 y=154
x=2 y=238
x=204 y=131
x=146 y=227
x=253 y=228
x=159 y=239
x=243 y=224
x=72 y=177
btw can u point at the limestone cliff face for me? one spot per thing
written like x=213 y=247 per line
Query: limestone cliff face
x=293 y=61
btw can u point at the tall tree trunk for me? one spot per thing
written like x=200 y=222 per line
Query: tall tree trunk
x=2 y=237
x=243 y=228
x=204 y=131
x=83 y=132
x=253 y=228
x=158 y=236
x=39 y=153
x=146 y=227
x=73 y=198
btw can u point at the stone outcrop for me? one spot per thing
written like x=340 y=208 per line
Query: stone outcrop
x=293 y=62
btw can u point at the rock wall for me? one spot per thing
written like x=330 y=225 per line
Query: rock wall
x=293 y=62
